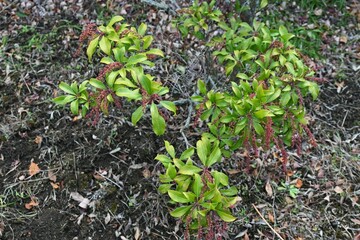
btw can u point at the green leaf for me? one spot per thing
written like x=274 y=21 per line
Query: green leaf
x=258 y=128
x=197 y=185
x=136 y=116
x=92 y=47
x=214 y=157
x=158 y=122
x=106 y=60
x=290 y=68
x=202 y=87
x=98 y=84
x=225 y=216
x=187 y=153
x=189 y=170
x=177 y=196
x=147 y=41
x=115 y=19
x=221 y=178
x=155 y=51
x=164 y=188
x=202 y=151
x=169 y=106
x=119 y=54
x=283 y=30
x=74 y=107
x=285 y=98
x=64 y=99
x=170 y=149
x=165 y=160
x=66 y=88
x=274 y=96
x=135 y=59
x=131 y=94
x=105 y=45
x=263 y=3
x=171 y=171
x=142 y=29
x=180 y=211
x=260 y=114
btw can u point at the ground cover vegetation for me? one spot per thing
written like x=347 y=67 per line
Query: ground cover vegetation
x=222 y=109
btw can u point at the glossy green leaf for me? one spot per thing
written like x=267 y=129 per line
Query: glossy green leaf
x=155 y=51
x=197 y=185
x=92 y=47
x=147 y=41
x=66 y=88
x=263 y=3
x=142 y=29
x=131 y=94
x=225 y=216
x=115 y=19
x=189 y=170
x=169 y=106
x=260 y=114
x=74 y=107
x=164 y=188
x=202 y=87
x=64 y=99
x=105 y=45
x=187 y=153
x=170 y=149
x=136 y=116
x=202 y=151
x=135 y=59
x=177 y=196
x=97 y=84
x=158 y=122
x=214 y=157
x=180 y=211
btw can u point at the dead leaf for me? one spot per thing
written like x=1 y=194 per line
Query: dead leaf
x=31 y=204
x=246 y=237
x=340 y=86
x=299 y=183
x=51 y=176
x=318 y=12
x=268 y=189
x=97 y=176
x=356 y=221
x=233 y=171
x=33 y=169
x=38 y=140
x=76 y=196
x=107 y=219
x=271 y=217
x=55 y=185
x=2 y=228
x=146 y=173
x=343 y=39
x=137 y=233
x=84 y=203
x=338 y=190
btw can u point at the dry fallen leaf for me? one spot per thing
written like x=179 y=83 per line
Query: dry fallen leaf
x=33 y=169
x=107 y=219
x=356 y=221
x=31 y=204
x=299 y=183
x=146 y=173
x=2 y=227
x=271 y=217
x=137 y=233
x=343 y=39
x=55 y=185
x=268 y=189
x=51 y=176
x=233 y=171
x=38 y=140
x=338 y=189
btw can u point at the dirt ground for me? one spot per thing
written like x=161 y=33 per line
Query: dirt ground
x=109 y=169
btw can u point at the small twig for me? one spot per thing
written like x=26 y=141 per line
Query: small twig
x=277 y=234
